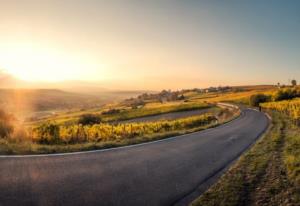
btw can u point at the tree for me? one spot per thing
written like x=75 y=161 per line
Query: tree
x=181 y=97
x=294 y=83
x=286 y=94
x=256 y=99
x=278 y=84
x=89 y=119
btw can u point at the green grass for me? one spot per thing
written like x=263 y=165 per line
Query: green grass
x=267 y=174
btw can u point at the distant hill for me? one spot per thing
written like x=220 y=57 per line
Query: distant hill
x=25 y=101
x=20 y=96
x=20 y=100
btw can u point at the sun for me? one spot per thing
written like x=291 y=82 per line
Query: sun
x=31 y=63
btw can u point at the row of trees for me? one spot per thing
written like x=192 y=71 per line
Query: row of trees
x=163 y=96
x=280 y=95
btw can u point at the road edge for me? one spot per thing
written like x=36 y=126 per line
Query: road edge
x=208 y=182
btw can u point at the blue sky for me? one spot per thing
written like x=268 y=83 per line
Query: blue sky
x=152 y=44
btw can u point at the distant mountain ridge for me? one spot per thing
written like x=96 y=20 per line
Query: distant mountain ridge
x=8 y=81
x=19 y=96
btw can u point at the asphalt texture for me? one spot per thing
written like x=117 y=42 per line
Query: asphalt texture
x=154 y=174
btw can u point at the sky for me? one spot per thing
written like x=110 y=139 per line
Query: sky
x=141 y=44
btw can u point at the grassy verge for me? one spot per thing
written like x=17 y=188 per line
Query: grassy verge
x=28 y=147
x=268 y=174
x=7 y=147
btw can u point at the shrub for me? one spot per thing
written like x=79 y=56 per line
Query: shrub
x=89 y=119
x=6 y=124
x=286 y=94
x=5 y=129
x=47 y=133
x=256 y=99
x=111 y=111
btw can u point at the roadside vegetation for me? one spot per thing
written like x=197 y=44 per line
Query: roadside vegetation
x=266 y=175
x=50 y=133
x=269 y=173
x=52 y=138
x=90 y=129
x=289 y=107
x=6 y=124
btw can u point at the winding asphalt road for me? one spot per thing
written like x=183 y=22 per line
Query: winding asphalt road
x=157 y=173
x=169 y=116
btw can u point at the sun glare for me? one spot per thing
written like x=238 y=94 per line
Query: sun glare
x=31 y=63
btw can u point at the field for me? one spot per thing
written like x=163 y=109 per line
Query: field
x=62 y=132
x=289 y=107
x=193 y=99
x=120 y=112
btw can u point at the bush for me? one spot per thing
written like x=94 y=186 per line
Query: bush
x=286 y=94
x=89 y=119
x=5 y=129
x=256 y=99
x=6 y=124
x=47 y=133
x=111 y=111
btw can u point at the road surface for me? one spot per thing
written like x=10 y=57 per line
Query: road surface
x=157 y=173
x=169 y=116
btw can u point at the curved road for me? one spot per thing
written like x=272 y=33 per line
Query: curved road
x=169 y=116
x=158 y=173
